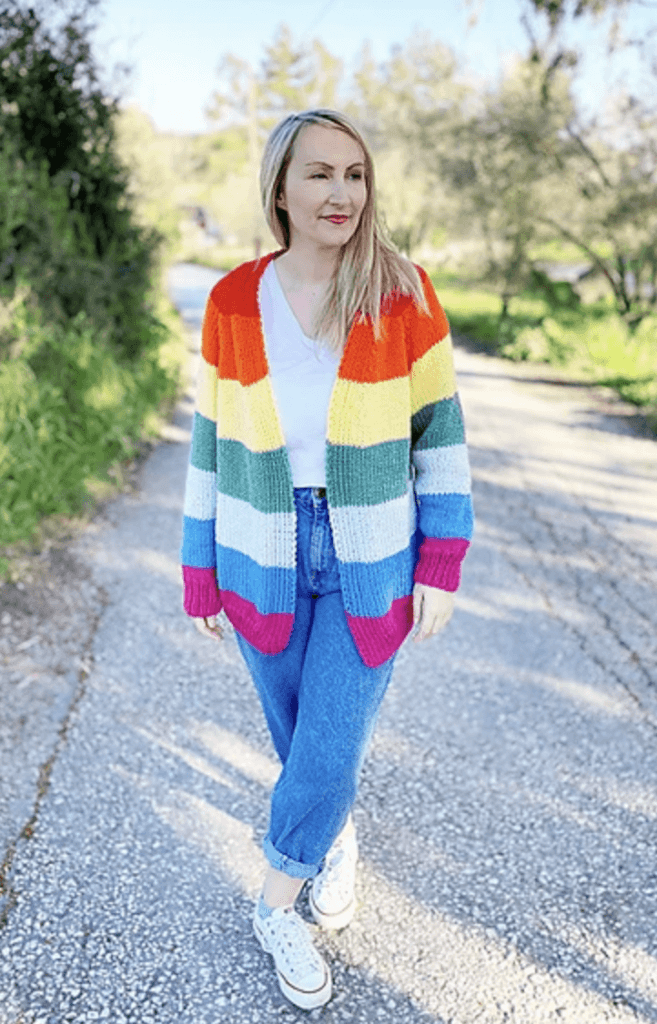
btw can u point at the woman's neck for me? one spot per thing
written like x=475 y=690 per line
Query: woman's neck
x=309 y=268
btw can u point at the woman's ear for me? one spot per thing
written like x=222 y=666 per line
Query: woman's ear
x=280 y=201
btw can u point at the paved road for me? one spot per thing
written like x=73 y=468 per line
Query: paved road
x=507 y=815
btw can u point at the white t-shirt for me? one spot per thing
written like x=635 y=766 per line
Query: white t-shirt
x=302 y=376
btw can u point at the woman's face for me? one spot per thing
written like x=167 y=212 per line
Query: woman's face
x=324 y=190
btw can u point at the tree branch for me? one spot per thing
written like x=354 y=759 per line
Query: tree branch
x=593 y=256
x=590 y=154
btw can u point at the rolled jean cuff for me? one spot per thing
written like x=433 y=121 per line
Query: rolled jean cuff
x=293 y=868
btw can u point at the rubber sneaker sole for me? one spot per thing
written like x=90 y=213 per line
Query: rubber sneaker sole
x=332 y=922
x=305 y=1000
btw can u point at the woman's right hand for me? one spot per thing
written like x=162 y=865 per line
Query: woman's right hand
x=209 y=627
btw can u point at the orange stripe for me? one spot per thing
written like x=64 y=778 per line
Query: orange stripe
x=369 y=361
x=233 y=341
x=425 y=330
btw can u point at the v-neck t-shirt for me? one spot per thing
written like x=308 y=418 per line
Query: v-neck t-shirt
x=302 y=375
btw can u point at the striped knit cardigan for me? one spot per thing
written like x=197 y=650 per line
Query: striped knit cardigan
x=397 y=475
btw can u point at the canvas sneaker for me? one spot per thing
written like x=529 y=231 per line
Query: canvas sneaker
x=332 y=900
x=303 y=975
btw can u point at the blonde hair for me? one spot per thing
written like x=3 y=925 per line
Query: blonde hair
x=369 y=269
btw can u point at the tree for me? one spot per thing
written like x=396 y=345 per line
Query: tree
x=410 y=105
x=291 y=77
x=559 y=11
x=535 y=173
x=508 y=168
x=613 y=219
x=77 y=242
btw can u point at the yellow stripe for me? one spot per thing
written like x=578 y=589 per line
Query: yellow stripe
x=206 y=390
x=363 y=414
x=248 y=414
x=432 y=376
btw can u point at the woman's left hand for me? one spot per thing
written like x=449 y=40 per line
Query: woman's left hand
x=432 y=609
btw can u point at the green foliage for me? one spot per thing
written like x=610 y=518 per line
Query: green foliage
x=592 y=341
x=557 y=11
x=84 y=355
x=68 y=409
x=598 y=344
x=292 y=76
x=155 y=162
x=220 y=154
x=410 y=106
x=471 y=311
x=558 y=294
x=296 y=76
x=67 y=223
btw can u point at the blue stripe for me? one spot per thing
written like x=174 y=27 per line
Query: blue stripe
x=271 y=589
x=198 y=543
x=369 y=588
x=445 y=515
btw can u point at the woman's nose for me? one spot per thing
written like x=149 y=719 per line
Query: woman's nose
x=338 y=190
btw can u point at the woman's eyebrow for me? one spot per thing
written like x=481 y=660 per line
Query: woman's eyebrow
x=322 y=163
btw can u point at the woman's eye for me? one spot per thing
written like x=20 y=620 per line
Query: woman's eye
x=319 y=174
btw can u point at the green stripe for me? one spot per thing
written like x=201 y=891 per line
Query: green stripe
x=264 y=479
x=438 y=425
x=204 y=440
x=367 y=476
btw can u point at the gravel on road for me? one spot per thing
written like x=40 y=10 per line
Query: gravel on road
x=507 y=817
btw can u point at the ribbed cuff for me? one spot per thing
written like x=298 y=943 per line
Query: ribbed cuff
x=201 y=596
x=439 y=564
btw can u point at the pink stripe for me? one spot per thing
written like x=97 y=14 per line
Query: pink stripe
x=270 y=634
x=439 y=564
x=378 y=639
x=201 y=595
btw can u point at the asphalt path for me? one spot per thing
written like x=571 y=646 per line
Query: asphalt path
x=507 y=812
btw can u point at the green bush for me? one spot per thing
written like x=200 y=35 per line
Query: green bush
x=68 y=409
x=85 y=357
x=471 y=311
x=67 y=225
x=591 y=340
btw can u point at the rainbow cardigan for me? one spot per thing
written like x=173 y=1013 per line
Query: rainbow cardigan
x=397 y=475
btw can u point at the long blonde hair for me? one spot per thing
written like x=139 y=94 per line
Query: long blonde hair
x=369 y=269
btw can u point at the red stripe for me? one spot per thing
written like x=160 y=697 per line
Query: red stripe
x=201 y=594
x=439 y=564
x=378 y=639
x=270 y=634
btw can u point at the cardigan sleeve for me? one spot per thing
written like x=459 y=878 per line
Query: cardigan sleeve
x=438 y=450
x=201 y=594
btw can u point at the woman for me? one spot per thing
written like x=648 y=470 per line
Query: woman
x=327 y=508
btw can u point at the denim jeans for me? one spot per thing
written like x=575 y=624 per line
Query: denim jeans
x=320 y=701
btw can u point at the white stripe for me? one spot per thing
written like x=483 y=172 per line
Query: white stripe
x=368 y=533
x=200 y=493
x=442 y=470
x=269 y=538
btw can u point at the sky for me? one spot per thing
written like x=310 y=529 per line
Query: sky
x=174 y=48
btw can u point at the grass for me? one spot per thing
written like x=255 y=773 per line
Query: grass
x=591 y=340
x=73 y=414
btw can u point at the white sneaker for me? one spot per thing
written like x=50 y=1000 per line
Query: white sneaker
x=303 y=975
x=332 y=900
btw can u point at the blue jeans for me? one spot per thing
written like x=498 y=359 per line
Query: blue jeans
x=320 y=701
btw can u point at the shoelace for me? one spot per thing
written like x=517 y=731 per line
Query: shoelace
x=296 y=945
